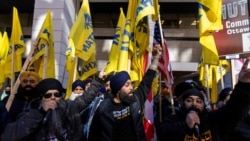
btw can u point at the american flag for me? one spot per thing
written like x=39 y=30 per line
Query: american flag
x=164 y=65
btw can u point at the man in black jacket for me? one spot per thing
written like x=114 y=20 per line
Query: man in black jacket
x=4 y=118
x=25 y=93
x=120 y=118
x=193 y=122
x=51 y=117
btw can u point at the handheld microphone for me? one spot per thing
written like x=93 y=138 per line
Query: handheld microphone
x=46 y=116
x=196 y=127
x=197 y=130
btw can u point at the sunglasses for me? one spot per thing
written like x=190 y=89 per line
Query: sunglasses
x=48 y=95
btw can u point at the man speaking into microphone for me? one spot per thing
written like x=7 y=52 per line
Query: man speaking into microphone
x=194 y=123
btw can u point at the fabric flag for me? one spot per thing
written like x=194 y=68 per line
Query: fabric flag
x=209 y=21
x=127 y=46
x=211 y=78
x=4 y=48
x=164 y=65
x=87 y=68
x=148 y=109
x=16 y=41
x=217 y=73
x=1 y=37
x=43 y=59
x=115 y=48
x=143 y=9
x=82 y=33
x=127 y=43
x=82 y=38
x=70 y=66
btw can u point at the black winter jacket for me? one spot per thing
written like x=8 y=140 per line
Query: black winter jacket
x=103 y=121
x=215 y=125
x=30 y=127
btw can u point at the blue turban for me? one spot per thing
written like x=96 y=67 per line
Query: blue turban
x=78 y=83
x=118 y=80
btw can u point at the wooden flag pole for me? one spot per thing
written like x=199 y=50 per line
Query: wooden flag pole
x=207 y=77
x=168 y=77
x=45 y=60
x=221 y=76
x=160 y=100
x=25 y=65
x=12 y=66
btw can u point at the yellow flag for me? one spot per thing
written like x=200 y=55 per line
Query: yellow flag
x=115 y=48
x=16 y=41
x=4 y=48
x=124 y=49
x=144 y=8
x=43 y=59
x=1 y=37
x=70 y=66
x=17 y=38
x=218 y=73
x=70 y=55
x=88 y=68
x=82 y=33
x=210 y=20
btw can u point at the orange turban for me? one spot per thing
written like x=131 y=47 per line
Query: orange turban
x=32 y=74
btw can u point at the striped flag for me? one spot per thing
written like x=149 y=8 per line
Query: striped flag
x=164 y=65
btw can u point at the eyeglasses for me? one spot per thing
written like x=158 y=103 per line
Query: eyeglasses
x=48 y=95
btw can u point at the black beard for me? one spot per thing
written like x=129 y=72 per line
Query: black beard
x=29 y=93
x=125 y=98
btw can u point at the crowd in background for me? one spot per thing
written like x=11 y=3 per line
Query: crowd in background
x=109 y=108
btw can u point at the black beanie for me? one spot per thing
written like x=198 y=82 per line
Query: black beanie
x=118 y=80
x=192 y=92
x=49 y=84
x=78 y=83
x=181 y=88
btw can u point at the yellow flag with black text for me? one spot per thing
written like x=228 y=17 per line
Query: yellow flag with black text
x=82 y=33
x=43 y=59
x=115 y=48
x=70 y=66
x=17 y=40
x=87 y=68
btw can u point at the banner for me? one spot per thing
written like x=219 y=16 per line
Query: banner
x=235 y=36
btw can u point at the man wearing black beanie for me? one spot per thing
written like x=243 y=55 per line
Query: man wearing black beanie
x=194 y=122
x=120 y=118
x=52 y=117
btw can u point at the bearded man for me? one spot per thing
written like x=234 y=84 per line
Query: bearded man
x=25 y=93
x=194 y=123
x=120 y=118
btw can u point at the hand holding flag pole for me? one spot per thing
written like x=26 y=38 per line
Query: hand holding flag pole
x=167 y=73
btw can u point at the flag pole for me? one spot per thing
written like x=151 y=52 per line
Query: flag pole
x=45 y=60
x=207 y=77
x=221 y=76
x=160 y=99
x=17 y=83
x=12 y=65
x=168 y=77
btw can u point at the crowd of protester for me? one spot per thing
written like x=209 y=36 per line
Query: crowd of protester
x=109 y=108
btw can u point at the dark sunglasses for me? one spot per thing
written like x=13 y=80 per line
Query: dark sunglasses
x=48 y=95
